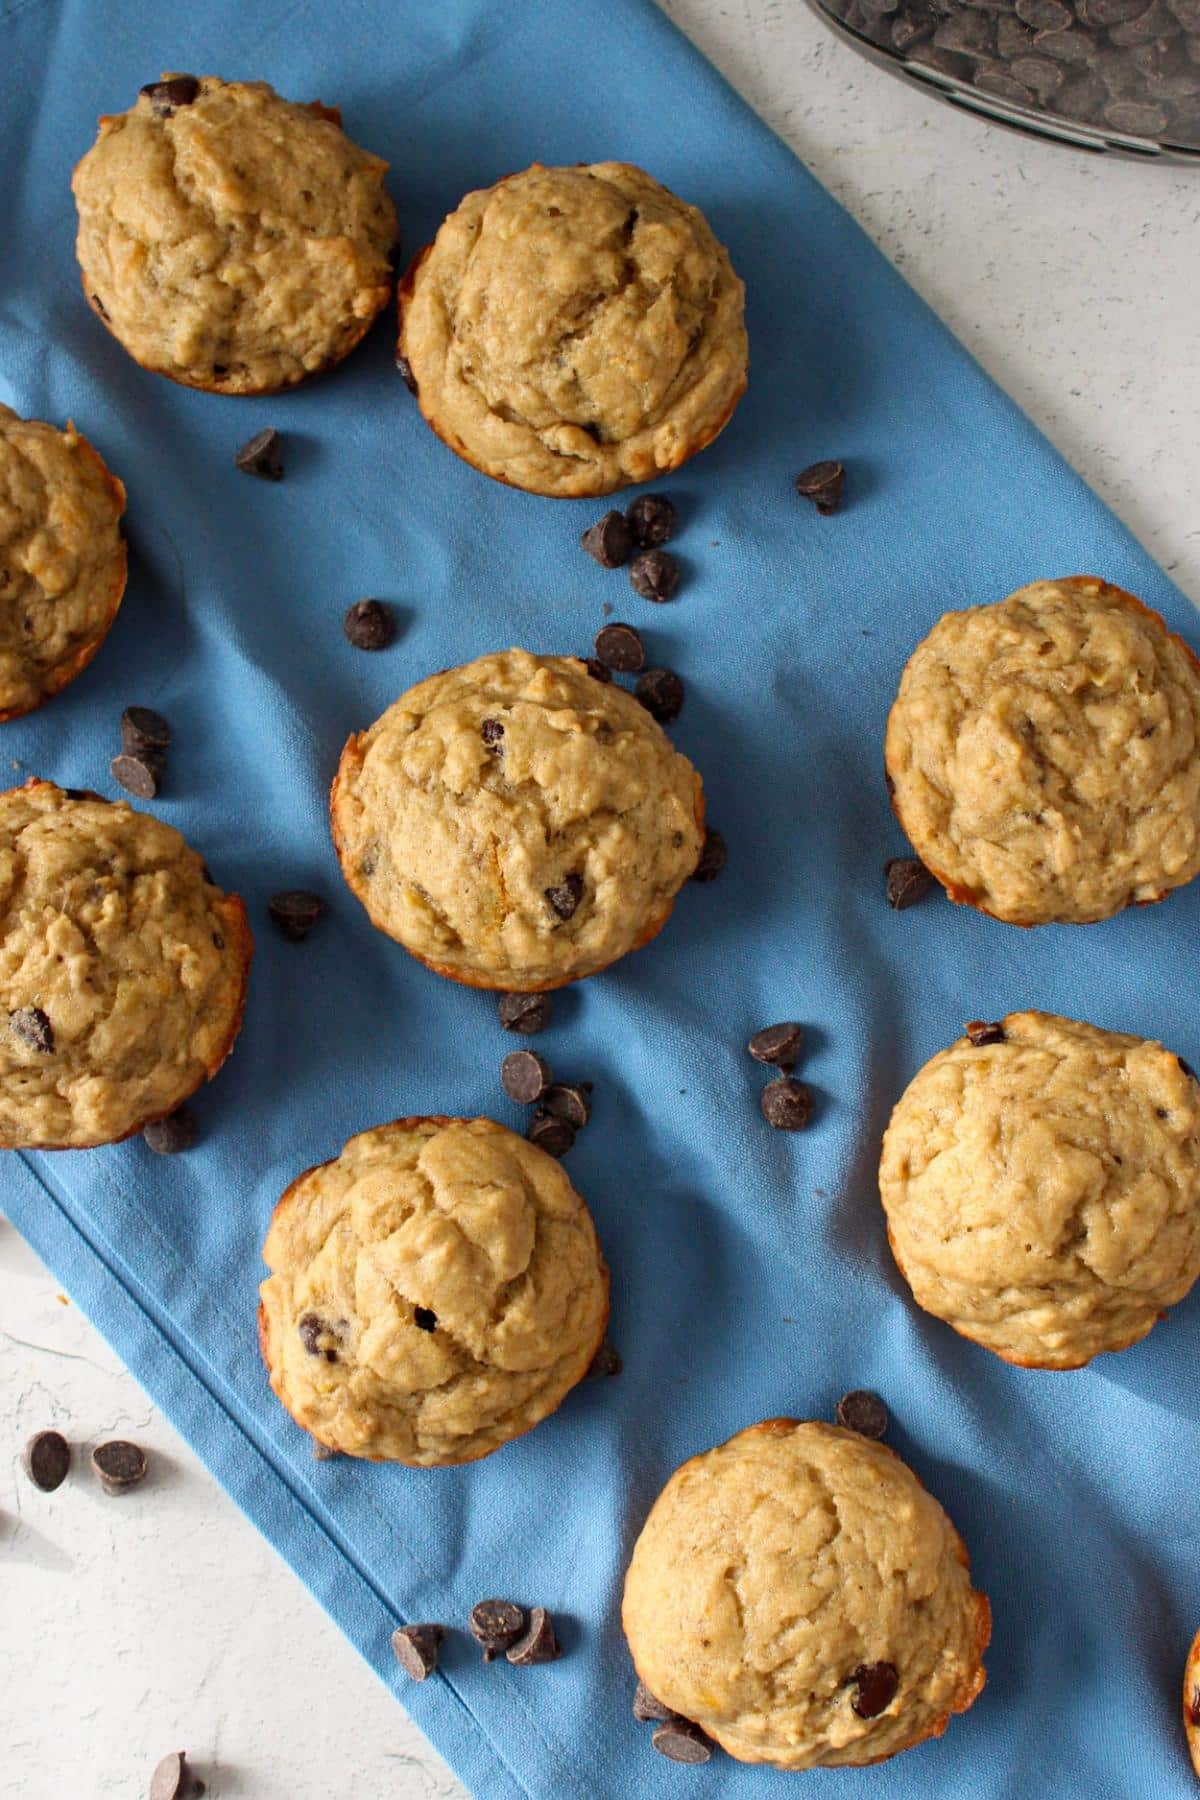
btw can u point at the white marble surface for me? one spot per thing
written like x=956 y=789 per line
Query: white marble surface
x=161 y=1620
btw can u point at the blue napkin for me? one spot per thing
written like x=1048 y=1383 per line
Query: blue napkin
x=751 y=1275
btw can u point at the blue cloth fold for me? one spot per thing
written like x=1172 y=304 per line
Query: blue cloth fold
x=751 y=1275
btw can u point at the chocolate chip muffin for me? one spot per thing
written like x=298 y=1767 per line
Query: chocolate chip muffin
x=1041 y=1180
x=230 y=239
x=515 y=823
x=799 y=1595
x=1191 y=1702
x=570 y=331
x=1044 y=754
x=122 y=970
x=62 y=558
x=435 y=1290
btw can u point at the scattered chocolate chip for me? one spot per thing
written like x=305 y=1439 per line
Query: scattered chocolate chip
x=538 y=1643
x=1187 y=1069
x=876 y=1683
x=138 y=775
x=824 y=483
x=174 y=1780
x=524 y=1076
x=261 y=455
x=119 y=1464
x=176 y=90
x=295 y=911
x=406 y=372
x=596 y=669
x=495 y=1624
x=144 y=731
x=620 y=648
x=416 y=1648
x=648 y=1706
x=661 y=693
x=566 y=896
x=606 y=1362
x=862 y=1412
x=524 y=1013
x=369 y=625
x=680 y=1741
x=491 y=731
x=980 y=1032
x=778 y=1044
x=167 y=1137
x=46 y=1459
x=424 y=1319
x=609 y=540
x=30 y=1024
x=566 y=1100
x=713 y=857
x=552 y=1135
x=652 y=520
x=316 y=1336
x=654 y=574
x=785 y=1104
x=907 y=881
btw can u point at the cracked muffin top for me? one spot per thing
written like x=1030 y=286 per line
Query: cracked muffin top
x=230 y=239
x=1044 y=754
x=122 y=969
x=435 y=1290
x=515 y=823
x=799 y=1595
x=570 y=331
x=1042 y=1188
x=62 y=558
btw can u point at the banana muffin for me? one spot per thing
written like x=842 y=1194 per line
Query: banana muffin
x=571 y=331
x=231 y=239
x=1041 y=1180
x=799 y=1595
x=515 y=823
x=62 y=558
x=435 y=1290
x=122 y=969
x=1044 y=754
x=1191 y=1702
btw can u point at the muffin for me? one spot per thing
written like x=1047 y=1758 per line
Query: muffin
x=570 y=331
x=515 y=823
x=435 y=1290
x=230 y=239
x=1191 y=1702
x=62 y=558
x=122 y=969
x=1041 y=1180
x=1044 y=754
x=797 y=1594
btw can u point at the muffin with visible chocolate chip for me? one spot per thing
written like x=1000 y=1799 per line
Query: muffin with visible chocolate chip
x=231 y=239
x=799 y=1595
x=122 y=970
x=573 y=330
x=515 y=823
x=435 y=1290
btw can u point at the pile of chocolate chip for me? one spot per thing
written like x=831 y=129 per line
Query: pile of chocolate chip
x=1128 y=66
x=117 y=1464
x=561 y=1109
x=500 y=1627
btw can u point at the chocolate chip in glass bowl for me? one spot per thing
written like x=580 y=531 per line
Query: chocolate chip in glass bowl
x=907 y=880
x=620 y=649
x=864 y=1412
x=1082 y=99
x=981 y=1032
x=369 y=625
x=1137 y=118
x=525 y=1076
x=654 y=574
x=119 y=1464
x=261 y=455
x=876 y=1683
x=46 y=1459
x=565 y=898
x=1043 y=15
x=680 y=1741
x=416 y=1649
x=713 y=856
x=786 y=1104
x=652 y=520
x=295 y=911
x=524 y=1013
x=609 y=540
x=31 y=1025
x=495 y=1624
x=780 y=1045
x=824 y=483
x=174 y=1779
x=661 y=692
x=172 y=1135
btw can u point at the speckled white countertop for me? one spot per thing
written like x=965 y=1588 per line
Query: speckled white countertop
x=161 y=1620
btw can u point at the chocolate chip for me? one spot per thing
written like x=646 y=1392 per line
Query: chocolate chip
x=30 y=1024
x=876 y=1683
x=778 y=1044
x=369 y=625
x=406 y=372
x=167 y=1137
x=680 y=1741
x=1068 y=46
x=416 y=1648
x=1082 y=99
x=1041 y=76
x=100 y=307
x=538 y=1644
x=174 y=1780
x=609 y=540
x=524 y=1076
x=261 y=455
x=596 y=669
x=605 y=1363
x=322 y=1452
x=654 y=574
x=713 y=856
x=83 y=794
x=785 y=1104
x=1153 y=21
x=491 y=731
x=1194 y=1707
x=165 y=96
x=907 y=881
x=46 y=1459
x=144 y=730
x=1002 y=86
x=295 y=911
x=823 y=483
x=119 y=1464
x=138 y=775
x=424 y=1319
x=1187 y=1069
x=1043 y=15
x=980 y=1032
x=524 y=1013
x=552 y=1135
x=661 y=693
x=495 y=1624
x=566 y=1101
x=648 y=1706
x=1136 y=117
x=911 y=28
x=619 y=647
x=863 y=1412
x=652 y=520
x=1102 y=13
x=566 y=896
x=315 y=1335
